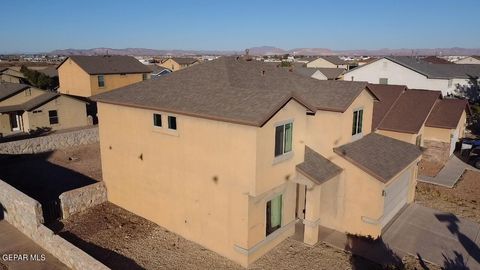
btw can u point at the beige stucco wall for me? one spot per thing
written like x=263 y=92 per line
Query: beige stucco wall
x=170 y=64
x=444 y=134
x=322 y=63
x=75 y=81
x=71 y=113
x=9 y=78
x=406 y=137
x=22 y=97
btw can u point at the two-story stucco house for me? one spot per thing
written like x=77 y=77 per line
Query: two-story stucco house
x=24 y=108
x=420 y=117
x=232 y=154
x=178 y=63
x=415 y=73
x=85 y=76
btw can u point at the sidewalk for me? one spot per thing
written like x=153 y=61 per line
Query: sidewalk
x=450 y=173
x=13 y=241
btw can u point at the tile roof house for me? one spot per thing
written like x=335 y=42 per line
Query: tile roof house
x=320 y=73
x=84 y=76
x=420 y=117
x=414 y=73
x=233 y=153
x=329 y=62
x=24 y=108
x=177 y=63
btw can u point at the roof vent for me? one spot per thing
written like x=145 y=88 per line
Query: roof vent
x=263 y=73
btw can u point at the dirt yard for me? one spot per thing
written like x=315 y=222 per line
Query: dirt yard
x=429 y=168
x=3 y=266
x=122 y=240
x=462 y=200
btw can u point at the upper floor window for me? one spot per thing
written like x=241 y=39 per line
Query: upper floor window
x=357 y=122
x=383 y=81
x=53 y=117
x=157 y=120
x=283 y=139
x=172 y=122
x=144 y=76
x=101 y=81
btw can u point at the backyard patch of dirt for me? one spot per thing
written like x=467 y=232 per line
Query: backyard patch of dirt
x=462 y=200
x=429 y=168
x=122 y=240
x=3 y=266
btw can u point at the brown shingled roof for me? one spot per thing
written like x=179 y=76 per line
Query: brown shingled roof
x=380 y=156
x=108 y=64
x=447 y=113
x=9 y=89
x=234 y=90
x=410 y=111
x=387 y=95
x=316 y=167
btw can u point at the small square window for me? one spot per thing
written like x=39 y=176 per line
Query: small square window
x=157 y=120
x=383 y=81
x=172 y=122
x=53 y=117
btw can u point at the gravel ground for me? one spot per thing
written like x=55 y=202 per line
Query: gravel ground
x=3 y=266
x=122 y=240
x=462 y=200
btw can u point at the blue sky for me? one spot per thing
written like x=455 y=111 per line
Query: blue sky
x=36 y=26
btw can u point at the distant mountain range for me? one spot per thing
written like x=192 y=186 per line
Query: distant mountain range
x=269 y=50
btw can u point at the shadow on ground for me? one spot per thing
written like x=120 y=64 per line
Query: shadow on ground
x=40 y=179
x=110 y=258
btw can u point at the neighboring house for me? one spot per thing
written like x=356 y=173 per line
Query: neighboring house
x=158 y=71
x=474 y=59
x=86 y=76
x=414 y=73
x=420 y=117
x=12 y=76
x=320 y=73
x=24 y=108
x=177 y=63
x=329 y=62
x=253 y=150
x=436 y=60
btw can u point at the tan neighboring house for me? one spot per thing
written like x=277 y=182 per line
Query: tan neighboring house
x=24 y=108
x=86 y=76
x=11 y=75
x=420 y=117
x=329 y=62
x=320 y=73
x=474 y=59
x=178 y=63
x=253 y=151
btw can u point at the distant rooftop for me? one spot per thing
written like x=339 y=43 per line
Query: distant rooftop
x=108 y=64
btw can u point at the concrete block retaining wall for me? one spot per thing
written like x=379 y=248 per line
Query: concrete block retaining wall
x=80 y=199
x=25 y=214
x=51 y=142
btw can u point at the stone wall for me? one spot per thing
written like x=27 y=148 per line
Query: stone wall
x=25 y=214
x=80 y=199
x=437 y=152
x=51 y=142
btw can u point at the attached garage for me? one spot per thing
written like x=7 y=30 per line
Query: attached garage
x=396 y=196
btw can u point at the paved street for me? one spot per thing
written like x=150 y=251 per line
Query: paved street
x=13 y=241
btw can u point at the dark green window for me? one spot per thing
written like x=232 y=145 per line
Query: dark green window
x=53 y=117
x=172 y=122
x=101 y=81
x=157 y=119
x=283 y=139
x=274 y=214
x=357 y=122
x=144 y=76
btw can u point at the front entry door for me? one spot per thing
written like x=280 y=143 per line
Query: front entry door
x=14 y=122
x=301 y=201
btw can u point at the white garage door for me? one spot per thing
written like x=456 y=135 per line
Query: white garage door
x=453 y=142
x=396 y=195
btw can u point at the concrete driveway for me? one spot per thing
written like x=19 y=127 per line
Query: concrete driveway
x=450 y=173
x=441 y=238
x=13 y=241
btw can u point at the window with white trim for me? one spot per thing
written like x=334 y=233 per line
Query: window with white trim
x=357 y=122
x=157 y=120
x=283 y=139
x=274 y=214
